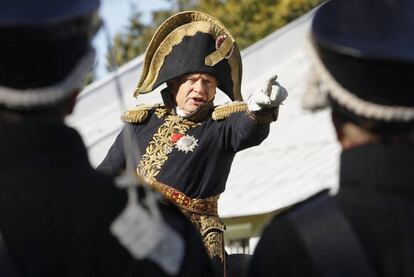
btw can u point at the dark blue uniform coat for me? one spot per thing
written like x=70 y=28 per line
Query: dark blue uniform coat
x=200 y=173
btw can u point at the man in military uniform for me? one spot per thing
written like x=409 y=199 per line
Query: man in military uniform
x=363 y=57
x=186 y=146
x=58 y=216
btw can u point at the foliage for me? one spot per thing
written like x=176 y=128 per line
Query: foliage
x=247 y=20
x=129 y=43
x=90 y=75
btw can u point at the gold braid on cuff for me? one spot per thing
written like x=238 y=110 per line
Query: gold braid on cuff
x=265 y=117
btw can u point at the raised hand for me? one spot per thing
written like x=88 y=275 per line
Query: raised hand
x=272 y=95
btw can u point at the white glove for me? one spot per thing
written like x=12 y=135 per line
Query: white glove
x=271 y=96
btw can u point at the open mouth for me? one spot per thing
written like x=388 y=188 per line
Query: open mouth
x=198 y=100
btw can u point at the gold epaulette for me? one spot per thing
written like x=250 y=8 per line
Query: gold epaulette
x=223 y=111
x=138 y=114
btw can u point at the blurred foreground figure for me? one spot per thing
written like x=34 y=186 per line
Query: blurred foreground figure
x=187 y=144
x=363 y=56
x=58 y=216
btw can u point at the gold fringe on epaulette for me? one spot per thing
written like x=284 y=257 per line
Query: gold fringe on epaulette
x=223 y=111
x=137 y=115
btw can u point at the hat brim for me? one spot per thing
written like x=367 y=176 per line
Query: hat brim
x=170 y=34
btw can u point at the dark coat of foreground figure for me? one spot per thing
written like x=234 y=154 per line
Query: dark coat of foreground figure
x=363 y=58
x=376 y=196
x=55 y=210
x=59 y=216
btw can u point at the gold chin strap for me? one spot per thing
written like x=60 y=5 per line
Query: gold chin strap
x=221 y=53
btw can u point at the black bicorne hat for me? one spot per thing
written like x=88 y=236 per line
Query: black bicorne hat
x=191 y=42
x=363 y=53
x=45 y=49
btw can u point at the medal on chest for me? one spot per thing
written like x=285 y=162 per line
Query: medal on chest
x=185 y=143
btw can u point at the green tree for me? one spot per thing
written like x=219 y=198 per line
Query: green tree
x=247 y=20
x=289 y=10
x=130 y=42
x=91 y=74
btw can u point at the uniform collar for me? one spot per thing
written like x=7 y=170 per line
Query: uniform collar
x=51 y=142
x=387 y=167
x=202 y=114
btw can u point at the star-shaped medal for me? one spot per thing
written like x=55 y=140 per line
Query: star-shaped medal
x=183 y=143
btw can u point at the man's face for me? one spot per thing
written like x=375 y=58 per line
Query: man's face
x=194 y=90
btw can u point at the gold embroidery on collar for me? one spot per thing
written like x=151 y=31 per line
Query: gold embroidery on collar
x=161 y=112
x=156 y=153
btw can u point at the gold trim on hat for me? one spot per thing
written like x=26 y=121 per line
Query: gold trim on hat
x=218 y=55
x=171 y=33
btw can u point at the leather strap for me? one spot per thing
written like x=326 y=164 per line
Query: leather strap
x=329 y=238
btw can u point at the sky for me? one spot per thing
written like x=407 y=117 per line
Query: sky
x=115 y=14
